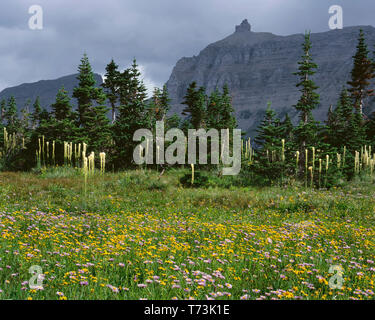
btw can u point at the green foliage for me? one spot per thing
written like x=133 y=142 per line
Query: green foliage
x=361 y=75
x=200 y=180
x=131 y=117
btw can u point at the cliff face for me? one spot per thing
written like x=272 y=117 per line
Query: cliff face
x=258 y=67
x=45 y=89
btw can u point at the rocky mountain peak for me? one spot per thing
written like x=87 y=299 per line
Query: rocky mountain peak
x=244 y=26
x=258 y=68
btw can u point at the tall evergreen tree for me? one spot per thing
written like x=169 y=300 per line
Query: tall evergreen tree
x=131 y=115
x=35 y=115
x=11 y=116
x=306 y=132
x=361 y=75
x=269 y=131
x=228 y=120
x=86 y=93
x=63 y=118
x=62 y=108
x=111 y=86
x=195 y=101
x=91 y=106
x=159 y=104
x=3 y=108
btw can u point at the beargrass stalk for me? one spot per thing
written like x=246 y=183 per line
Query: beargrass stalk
x=192 y=174
x=327 y=167
x=47 y=145
x=306 y=165
x=53 y=153
x=320 y=171
x=297 y=162
x=313 y=158
x=338 y=160
x=102 y=162
x=311 y=176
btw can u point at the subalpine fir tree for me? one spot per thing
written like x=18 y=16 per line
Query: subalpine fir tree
x=25 y=118
x=3 y=108
x=86 y=93
x=62 y=109
x=131 y=115
x=306 y=133
x=286 y=129
x=93 y=127
x=269 y=131
x=63 y=119
x=269 y=163
x=159 y=104
x=338 y=124
x=214 y=107
x=11 y=116
x=361 y=75
x=111 y=86
x=35 y=115
x=228 y=120
x=195 y=101
x=99 y=140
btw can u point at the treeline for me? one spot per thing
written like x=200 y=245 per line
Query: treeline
x=341 y=146
x=27 y=131
x=310 y=147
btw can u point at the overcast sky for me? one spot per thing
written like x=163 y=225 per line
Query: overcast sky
x=156 y=32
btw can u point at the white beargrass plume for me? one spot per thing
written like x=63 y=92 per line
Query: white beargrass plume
x=297 y=162
x=283 y=150
x=65 y=152
x=6 y=138
x=91 y=159
x=327 y=167
x=102 y=162
x=47 y=144
x=311 y=176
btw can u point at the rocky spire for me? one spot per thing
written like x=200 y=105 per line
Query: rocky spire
x=243 y=27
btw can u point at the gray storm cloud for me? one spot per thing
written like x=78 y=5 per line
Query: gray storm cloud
x=157 y=32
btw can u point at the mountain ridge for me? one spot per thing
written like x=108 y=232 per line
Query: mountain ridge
x=45 y=89
x=258 y=67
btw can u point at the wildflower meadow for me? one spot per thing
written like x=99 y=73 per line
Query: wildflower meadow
x=139 y=235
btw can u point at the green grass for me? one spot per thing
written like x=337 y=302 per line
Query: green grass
x=140 y=235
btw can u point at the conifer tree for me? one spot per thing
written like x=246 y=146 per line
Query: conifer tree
x=306 y=131
x=159 y=104
x=361 y=75
x=214 y=107
x=111 y=86
x=228 y=120
x=3 y=108
x=35 y=115
x=86 y=93
x=195 y=101
x=11 y=116
x=131 y=115
x=63 y=118
x=286 y=128
x=269 y=131
x=269 y=163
